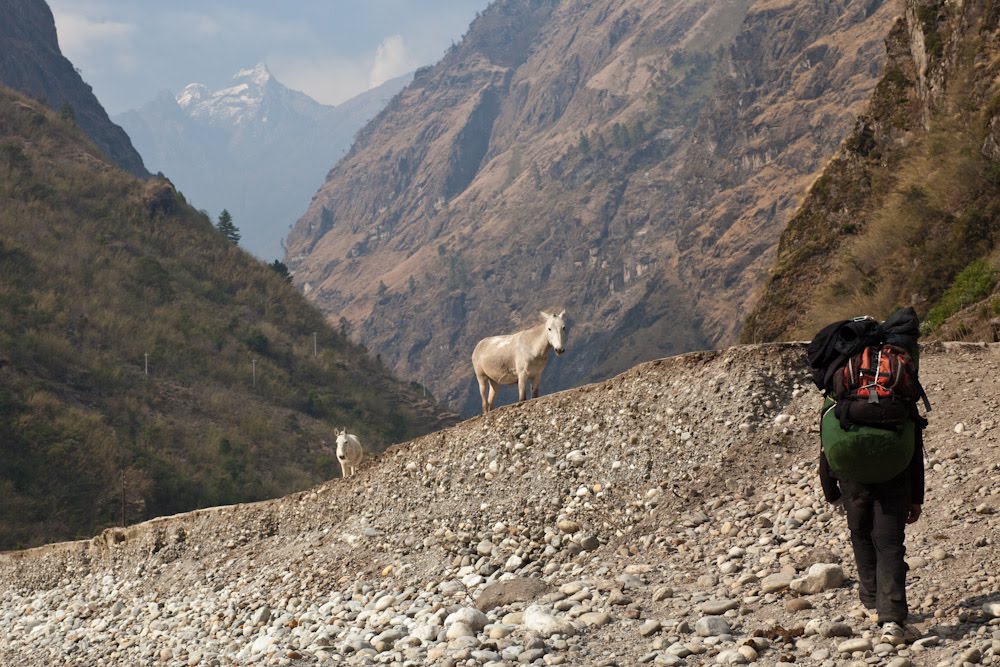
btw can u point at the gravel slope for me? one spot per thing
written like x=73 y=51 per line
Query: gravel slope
x=662 y=517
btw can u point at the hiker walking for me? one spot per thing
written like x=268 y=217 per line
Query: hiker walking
x=871 y=454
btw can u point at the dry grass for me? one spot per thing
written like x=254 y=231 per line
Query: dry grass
x=914 y=245
x=95 y=277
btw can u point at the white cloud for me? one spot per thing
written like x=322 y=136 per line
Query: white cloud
x=201 y=26
x=330 y=80
x=329 y=49
x=233 y=25
x=392 y=58
x=80 y=36
x=333 y=79
x=126 y=61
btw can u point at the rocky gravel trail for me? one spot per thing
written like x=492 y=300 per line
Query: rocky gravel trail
x=669 y=516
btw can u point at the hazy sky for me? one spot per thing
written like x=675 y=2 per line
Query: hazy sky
x=130 y=50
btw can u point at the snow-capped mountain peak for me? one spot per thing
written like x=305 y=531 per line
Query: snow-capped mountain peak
x=258 y=75
x=192 y=94
x=244 y=103
x=254 y=147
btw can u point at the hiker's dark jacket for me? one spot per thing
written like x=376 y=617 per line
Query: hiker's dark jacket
x=914 y=473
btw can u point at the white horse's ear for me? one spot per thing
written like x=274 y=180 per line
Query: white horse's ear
x=545 y=315
x=561 y=314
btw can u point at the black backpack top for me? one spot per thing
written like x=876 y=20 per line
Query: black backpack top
x=836 y=343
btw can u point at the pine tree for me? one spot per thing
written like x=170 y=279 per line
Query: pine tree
x=227 y=228
x=281 y=269
x=67 y=113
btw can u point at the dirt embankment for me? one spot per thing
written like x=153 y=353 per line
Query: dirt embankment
x=656 y=518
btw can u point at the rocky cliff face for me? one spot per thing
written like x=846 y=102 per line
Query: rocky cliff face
x=632 y=162
x=907 y=212
x=254 y=147
x=31 y=62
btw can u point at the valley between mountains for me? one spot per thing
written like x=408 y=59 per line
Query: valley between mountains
x=667 y=516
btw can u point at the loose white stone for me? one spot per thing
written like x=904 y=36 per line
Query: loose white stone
x=731 y=657
x=596 y=618
x=712 y=626
x=926 y=642
x=540 y=620
x=263 y=644
x=803 y=514
x=852 y=645
x=718 y=607
x=513 y=563
x=459 y=629
x=778 y=581
x=568 y=526
x=471 y=616
x=426 y=632
x=662 y=593
x=820 y=577
x=649 y=627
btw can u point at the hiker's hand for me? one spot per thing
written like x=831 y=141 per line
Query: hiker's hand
x=913 y=514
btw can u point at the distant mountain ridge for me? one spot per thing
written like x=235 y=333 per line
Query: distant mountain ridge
x=32 y=63
x=250 y=102
x=631 y=161
x=254 y=147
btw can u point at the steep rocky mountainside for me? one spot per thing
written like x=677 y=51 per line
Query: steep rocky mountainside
x=255 y=148
x=631 y=161
x=149 y=366
x=31 y=62
x=909 y=210
x=659 y=518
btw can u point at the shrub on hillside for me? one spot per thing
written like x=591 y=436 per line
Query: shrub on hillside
x=973 y=284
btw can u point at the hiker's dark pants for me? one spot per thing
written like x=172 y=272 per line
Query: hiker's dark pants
x=876 y=515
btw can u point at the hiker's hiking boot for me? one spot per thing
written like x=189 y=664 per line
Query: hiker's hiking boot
x=898 y=633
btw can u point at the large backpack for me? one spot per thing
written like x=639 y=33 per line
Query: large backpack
x=868 y=372
x=866 y=454
x=878 y=387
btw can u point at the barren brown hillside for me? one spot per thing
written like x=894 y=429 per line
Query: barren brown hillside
x=909 y=210
x=631 y=161
x=656 y=518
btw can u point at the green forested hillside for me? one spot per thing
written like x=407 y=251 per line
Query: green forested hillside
x=908 y=213
x=102 y=273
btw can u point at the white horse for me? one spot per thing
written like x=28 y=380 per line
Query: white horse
x=349 y=453
x=517 y=357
